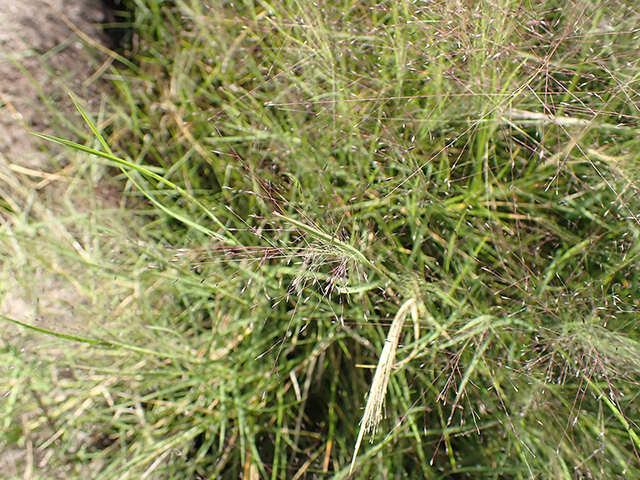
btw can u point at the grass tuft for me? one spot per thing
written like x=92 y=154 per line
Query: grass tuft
x=295 y=181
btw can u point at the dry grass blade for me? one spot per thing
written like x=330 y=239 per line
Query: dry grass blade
x=373 y=411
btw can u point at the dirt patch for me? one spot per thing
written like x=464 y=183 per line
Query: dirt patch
x=47 y=49
x=42 y=54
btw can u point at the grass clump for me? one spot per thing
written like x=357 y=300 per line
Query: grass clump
x=301 y=175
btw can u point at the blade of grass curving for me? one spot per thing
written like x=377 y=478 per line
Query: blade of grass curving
x=230 y=239
x=64 y=336
x=176 y=215
x=89 y=341
x=615 y=410
x=182 y=192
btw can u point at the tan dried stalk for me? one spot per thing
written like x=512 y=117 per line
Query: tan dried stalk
x=373 y=411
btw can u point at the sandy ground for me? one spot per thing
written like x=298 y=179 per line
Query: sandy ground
x=29 y=29
x=43 y=54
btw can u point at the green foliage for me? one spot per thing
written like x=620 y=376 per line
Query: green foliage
x=312 y=166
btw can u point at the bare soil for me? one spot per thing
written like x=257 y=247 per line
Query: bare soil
x=40 y=54
x=47 y=49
